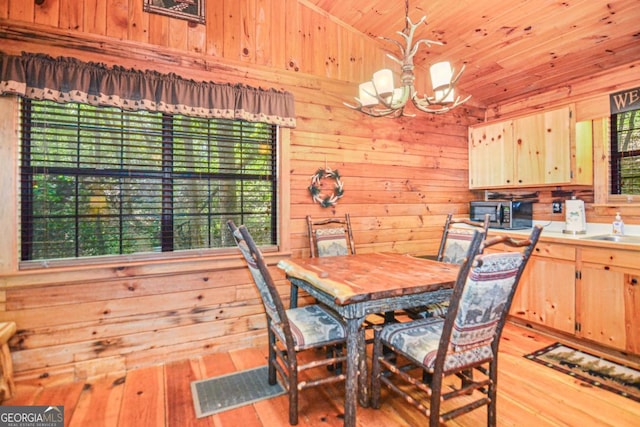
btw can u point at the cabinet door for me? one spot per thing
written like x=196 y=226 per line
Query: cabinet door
x=546 y=294
x=543 y=148
x=491 y=161
x=608 y=300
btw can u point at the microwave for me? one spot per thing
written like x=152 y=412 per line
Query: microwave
x=505 y=214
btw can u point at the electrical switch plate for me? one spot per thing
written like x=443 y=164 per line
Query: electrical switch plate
x=557 y=207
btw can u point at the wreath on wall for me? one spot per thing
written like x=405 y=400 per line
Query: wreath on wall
x=325 y=200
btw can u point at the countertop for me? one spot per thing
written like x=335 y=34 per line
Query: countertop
x=553 y=232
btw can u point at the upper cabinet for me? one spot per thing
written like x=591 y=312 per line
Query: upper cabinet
x=547 y=148
x=491 y=155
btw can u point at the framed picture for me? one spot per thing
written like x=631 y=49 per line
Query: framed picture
x=191 y=10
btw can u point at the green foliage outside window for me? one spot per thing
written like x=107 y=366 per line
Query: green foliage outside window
x=625 y=153
x=104 y=181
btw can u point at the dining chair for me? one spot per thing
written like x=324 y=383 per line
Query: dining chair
x=455 y=239
x=454 y=244
x=330 y=237
x=451 y=364
x=292 y=331
x=333 y=237
x=327 y=237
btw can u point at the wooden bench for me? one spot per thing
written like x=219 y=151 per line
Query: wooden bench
x=7 y=386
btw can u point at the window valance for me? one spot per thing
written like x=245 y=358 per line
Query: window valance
x=62 y=79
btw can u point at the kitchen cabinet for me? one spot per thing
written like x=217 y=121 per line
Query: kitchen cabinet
x=491 y=155
x=546 y=292
x=542 y=149
x=608 y=298
x=592 y=293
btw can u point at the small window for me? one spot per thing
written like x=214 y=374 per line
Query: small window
x=625 y=153
x=103 y=181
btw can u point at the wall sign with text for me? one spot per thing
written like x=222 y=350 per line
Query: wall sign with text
x=191 y=10
x=625 y=100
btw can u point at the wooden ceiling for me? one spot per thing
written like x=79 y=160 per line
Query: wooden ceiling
x=512 y=48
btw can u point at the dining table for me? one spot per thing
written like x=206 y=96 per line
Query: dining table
x=359 y=285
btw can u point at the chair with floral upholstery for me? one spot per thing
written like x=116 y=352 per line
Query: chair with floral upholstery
x=330 y=237
x=448 y=367
x=454 y=244
x=293 y=331
x=456 y=239
x=327 y=237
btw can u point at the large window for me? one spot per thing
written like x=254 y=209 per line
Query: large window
x=104 y=181
x=625 y=153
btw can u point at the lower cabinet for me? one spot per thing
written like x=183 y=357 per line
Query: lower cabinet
x=608 y=299
x=546 y=293
x=591 y=293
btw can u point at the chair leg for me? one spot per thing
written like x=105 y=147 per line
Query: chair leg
x=272 y=358
x=467 y=378
x=434 y=401
x=334 y=351
x=492 y=393
x=293 y=396
x=389 y=317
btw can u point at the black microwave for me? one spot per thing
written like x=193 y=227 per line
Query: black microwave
x=506 y=214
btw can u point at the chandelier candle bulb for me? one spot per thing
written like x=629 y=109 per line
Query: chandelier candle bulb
x=441 y=73
x=383 y=82
x=367 y=94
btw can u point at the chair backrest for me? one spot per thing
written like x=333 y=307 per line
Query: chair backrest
x=271 y=300
x=330 y=237
x=456 y=240
x=481 y=300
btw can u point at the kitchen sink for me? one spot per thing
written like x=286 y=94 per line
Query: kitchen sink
x=615 y=238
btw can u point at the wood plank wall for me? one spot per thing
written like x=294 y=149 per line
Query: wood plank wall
x=401 y=178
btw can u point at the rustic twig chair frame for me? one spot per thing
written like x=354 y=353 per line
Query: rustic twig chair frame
x=316 y=327
x=414 y=358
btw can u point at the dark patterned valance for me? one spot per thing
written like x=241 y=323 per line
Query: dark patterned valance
x=69 y=80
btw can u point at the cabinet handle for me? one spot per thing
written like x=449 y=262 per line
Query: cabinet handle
x=634 y=281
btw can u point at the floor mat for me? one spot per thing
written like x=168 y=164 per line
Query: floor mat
x=591 y=369
x=225 y=392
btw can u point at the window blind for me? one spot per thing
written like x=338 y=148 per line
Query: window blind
x=625 y=153
x=105 y=181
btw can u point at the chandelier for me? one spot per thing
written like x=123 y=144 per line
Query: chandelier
x=379 y=97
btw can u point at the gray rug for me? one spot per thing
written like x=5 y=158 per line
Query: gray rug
x=230 y=391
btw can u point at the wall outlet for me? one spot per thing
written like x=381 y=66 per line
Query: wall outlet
x=556 y=207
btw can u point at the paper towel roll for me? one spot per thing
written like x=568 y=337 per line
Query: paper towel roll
x=575 y=220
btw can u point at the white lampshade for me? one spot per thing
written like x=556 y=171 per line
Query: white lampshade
x=398 y=94
x=367 y=94
x=438 y=95
x=441 y=74
x=383 y=82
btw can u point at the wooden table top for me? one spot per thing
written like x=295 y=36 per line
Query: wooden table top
x=363 y=277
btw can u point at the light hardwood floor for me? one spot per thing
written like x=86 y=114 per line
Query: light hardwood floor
x=529 y=394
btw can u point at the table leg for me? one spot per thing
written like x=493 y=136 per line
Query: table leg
x=293 y=297
x=364 y=381
x=351 y=383
x=357 y=384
